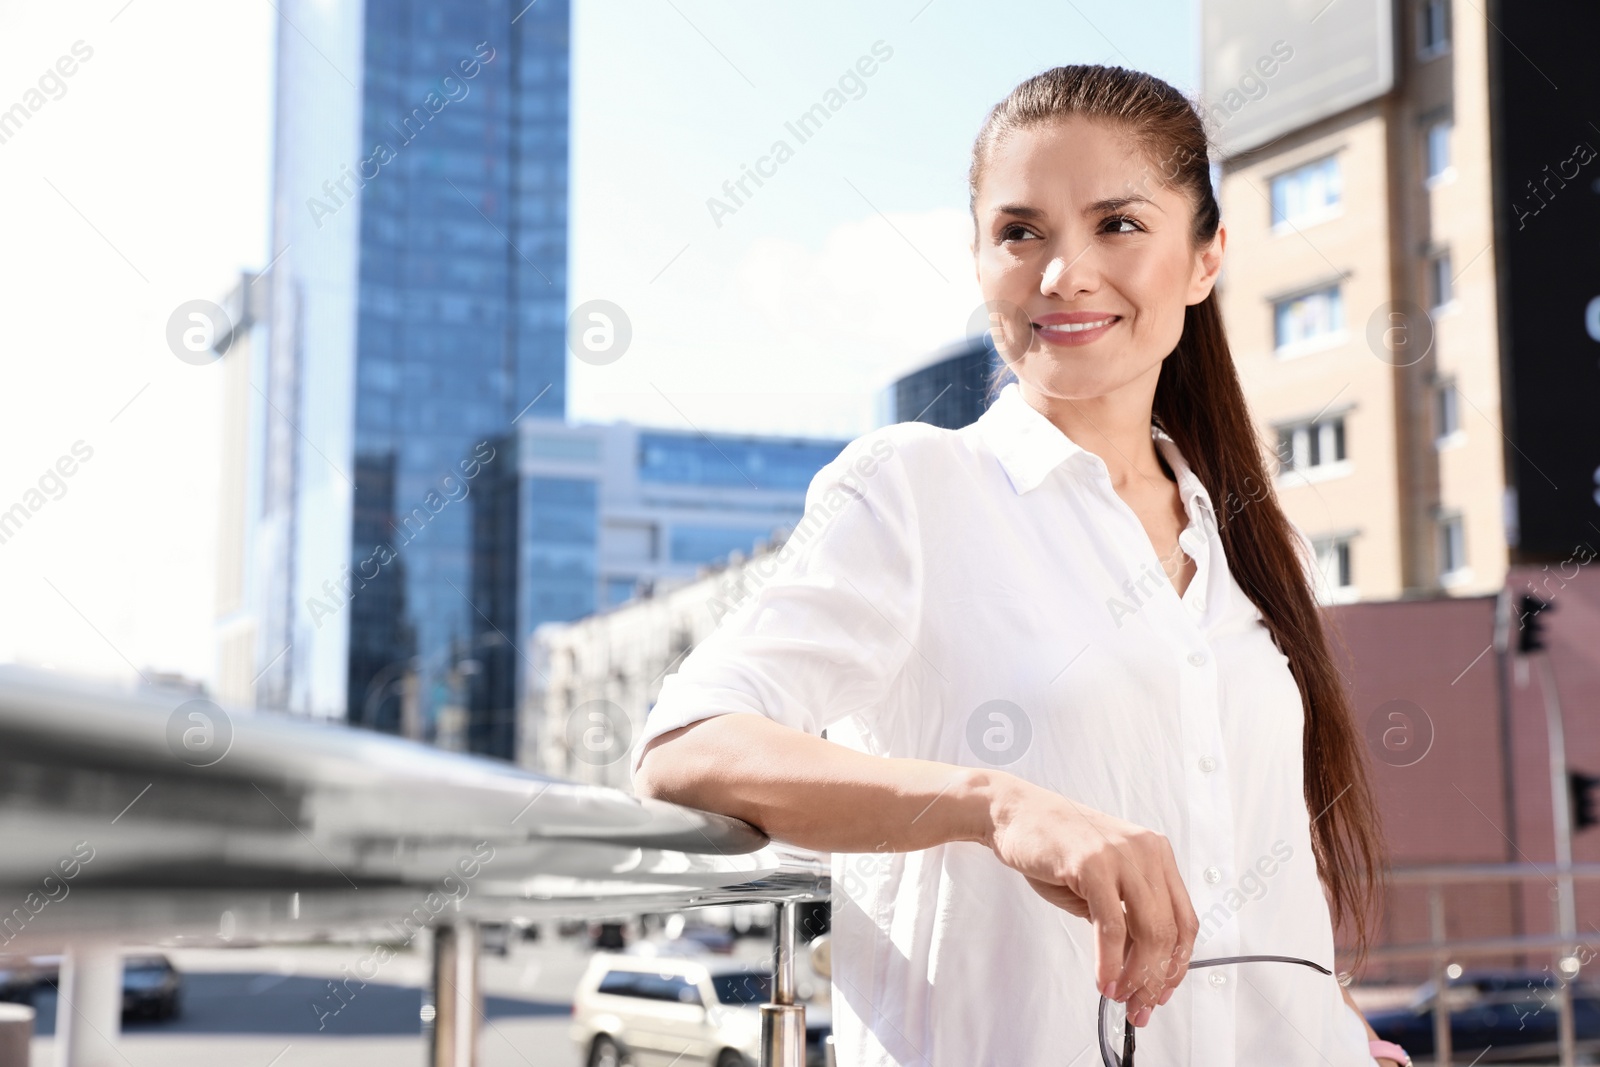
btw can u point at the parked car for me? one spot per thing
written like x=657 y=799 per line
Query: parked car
x=1511 y=1013
x=46 y=970
x=496 y=938
x=609 y=936
x=17 y=979
x=709 y=938
x=151 y=987
x=641 y=1011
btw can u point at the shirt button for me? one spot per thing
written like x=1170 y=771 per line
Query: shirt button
x=1207 y=764
x=1218 y=978
x=1197 y=658
x=1213 y=875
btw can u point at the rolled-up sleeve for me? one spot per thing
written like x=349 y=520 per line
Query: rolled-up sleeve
x=820 y=629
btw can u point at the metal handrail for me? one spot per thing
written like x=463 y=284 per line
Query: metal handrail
x=280 y=827
x=1440 y=950
x=290 y=828
x=1450 y=873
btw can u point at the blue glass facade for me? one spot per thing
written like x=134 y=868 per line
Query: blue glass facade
x=611 y=511
x=559 y=542
x=702 y=544
x=461 y=324
x=735 y=462
x=419 y=307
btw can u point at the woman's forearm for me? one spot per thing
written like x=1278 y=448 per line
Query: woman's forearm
x=815 y=793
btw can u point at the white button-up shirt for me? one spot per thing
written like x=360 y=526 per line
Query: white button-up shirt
x=984 y=597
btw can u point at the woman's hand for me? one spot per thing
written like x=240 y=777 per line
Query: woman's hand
x=1123 y=878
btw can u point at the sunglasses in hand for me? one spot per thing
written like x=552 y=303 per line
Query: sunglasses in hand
x=1111 y=1021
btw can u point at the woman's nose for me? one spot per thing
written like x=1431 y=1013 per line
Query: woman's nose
x=1069 y=271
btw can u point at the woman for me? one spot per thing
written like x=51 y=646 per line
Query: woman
x=1083 y=722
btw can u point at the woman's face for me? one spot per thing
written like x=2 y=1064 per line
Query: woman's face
x=1084 y=259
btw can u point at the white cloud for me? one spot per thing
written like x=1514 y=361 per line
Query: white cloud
x=794 y=339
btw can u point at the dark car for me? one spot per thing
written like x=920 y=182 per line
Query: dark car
x=1513 y=1014
x=151 y=987
x=17 y=979
x=607 y=937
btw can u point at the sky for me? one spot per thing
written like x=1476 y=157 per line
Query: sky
x=143 y=182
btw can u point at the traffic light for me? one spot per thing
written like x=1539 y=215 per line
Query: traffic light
x=1531 y=636
x=1580 y=787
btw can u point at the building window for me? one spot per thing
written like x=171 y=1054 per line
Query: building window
x=1333 y=560
x=1441 y=292
x=708 y=544
x=732 y=461
x=1447 y=416
x=1311 y=320
x=1452 y=550
x=628 y=542
x=619 y=591
x=1436 y=152
x=1314 y=449
x=1305 y=195
x=1433 y=28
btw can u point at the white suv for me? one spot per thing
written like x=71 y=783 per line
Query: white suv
x=651 y=1011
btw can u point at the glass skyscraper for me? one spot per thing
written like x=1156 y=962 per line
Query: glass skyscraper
x=417 y=314
x=423 y=503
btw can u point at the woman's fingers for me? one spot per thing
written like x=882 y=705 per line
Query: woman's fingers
x=1152 y=928
x=1184 y=913
x=1110 y=934
x=1144 y=921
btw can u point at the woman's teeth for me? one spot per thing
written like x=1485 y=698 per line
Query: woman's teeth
x=1076 y=327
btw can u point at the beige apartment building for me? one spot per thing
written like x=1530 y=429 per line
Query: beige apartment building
x=1360 y=298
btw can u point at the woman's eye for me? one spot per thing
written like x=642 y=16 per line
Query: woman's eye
x=1013 y=232
x=1121 y=220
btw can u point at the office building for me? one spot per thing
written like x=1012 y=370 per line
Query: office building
x=417 y=314
x=649 y=553
x=577 y=519
x=948 y=388
x=238 y=341
x=1413 y=321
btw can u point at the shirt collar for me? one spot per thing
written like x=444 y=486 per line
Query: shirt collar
x=1030 y=446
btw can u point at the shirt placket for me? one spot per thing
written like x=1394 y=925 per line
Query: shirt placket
x=1210 y=859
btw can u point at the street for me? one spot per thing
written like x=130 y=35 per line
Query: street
x=262 y=1006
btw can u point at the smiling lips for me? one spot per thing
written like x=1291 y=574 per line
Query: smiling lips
x=1074 y=327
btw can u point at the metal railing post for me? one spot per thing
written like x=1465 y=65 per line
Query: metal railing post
x=89 y=1005
x=1442 y=1048
x=783 y=1022
x=453 y=1038
x=1560 y=808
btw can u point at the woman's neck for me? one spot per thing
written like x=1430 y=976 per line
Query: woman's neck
x=1115 y=427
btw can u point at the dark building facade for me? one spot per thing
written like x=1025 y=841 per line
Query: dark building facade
x=952 y=388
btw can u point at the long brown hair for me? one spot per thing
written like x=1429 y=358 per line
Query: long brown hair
x=1200 y=405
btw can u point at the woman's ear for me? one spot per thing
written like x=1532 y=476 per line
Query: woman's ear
x=1207 y=265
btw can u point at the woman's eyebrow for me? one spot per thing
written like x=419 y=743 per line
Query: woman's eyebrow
x=1117 y=203
x=1019 y=210
x=1099 y=207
